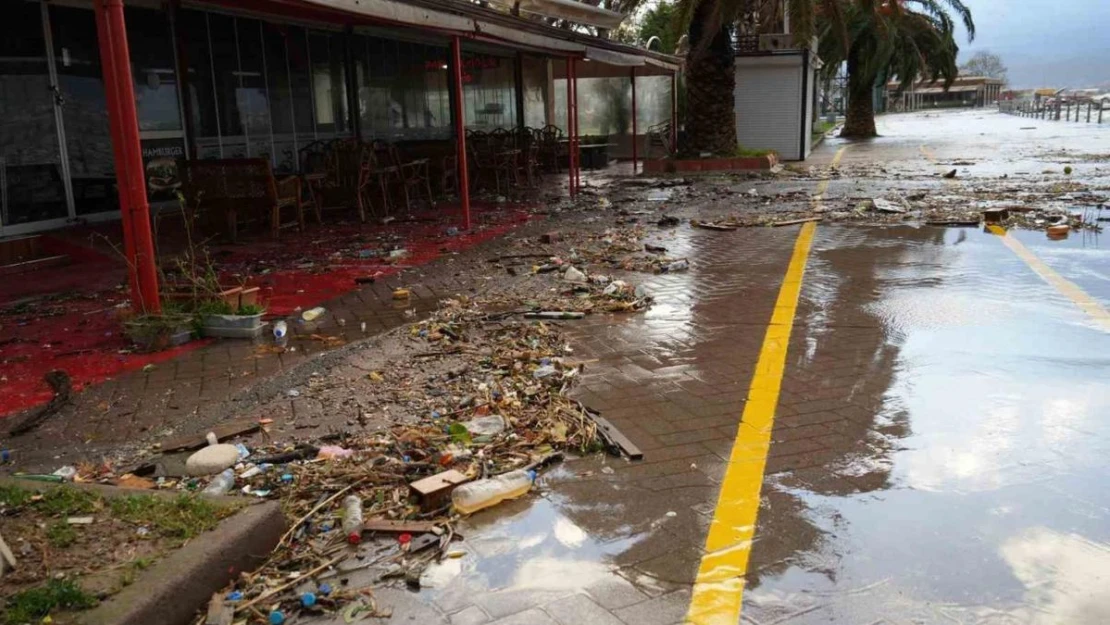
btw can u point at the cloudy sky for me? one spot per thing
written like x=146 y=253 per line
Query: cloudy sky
x=1044 y=43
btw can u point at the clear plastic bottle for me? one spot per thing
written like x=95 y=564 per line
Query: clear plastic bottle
x=221 y=484
x=352 y=519
x=479 y=494
x=280 y=329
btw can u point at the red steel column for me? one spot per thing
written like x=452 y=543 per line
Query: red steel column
x=460 y=130
x=124 y=126
x=674 y=111
x=570 y=130
x=635 y=153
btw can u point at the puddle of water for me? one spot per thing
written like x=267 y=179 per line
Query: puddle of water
x=977 y=491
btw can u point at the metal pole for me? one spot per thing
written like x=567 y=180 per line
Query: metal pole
x=570 y=131
x=674 y=112
x=577 y=153
x=460 y=131
x=1089 y=112
x=635 y=136
x=1101 y=104
x=124 y=126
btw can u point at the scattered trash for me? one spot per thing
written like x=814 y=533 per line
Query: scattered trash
x=333 y=452
x=222 y=483
x=313 y=314
x=292 y=393
x=574 y=275
x=676 y=266
x=400 y=294
x=886 y=206
x=80 y=520
x=485 y=426
x=352 y=519
x=280 y=329
x=212 y=459
x=484 y=493
x=555 y=314
x=452 y=231
x=66 y=473
x=951 y=174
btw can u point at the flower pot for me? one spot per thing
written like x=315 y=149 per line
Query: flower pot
x=232 y=326
x=152 y=334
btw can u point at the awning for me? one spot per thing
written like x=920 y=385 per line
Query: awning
x=570 y=10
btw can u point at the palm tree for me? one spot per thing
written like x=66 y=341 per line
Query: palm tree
x=710 y=76
x=881 y=39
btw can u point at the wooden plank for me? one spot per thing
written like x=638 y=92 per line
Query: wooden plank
x=627 y=446
x=224 y=431
x=794 y=222
x=435 y=490
x=399 y=527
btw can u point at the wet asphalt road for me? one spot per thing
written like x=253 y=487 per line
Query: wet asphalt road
x=936 y=452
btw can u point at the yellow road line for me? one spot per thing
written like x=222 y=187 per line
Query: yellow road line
x=1066 y=287
x=719 y=588
x=824 y=184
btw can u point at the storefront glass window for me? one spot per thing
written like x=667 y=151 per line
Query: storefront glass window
x=488 y=91
x=152 y=68
x=31 y=183
x=252 y=96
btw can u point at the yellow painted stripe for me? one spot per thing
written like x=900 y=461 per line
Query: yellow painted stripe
x=718 y=590
x=1066 y=287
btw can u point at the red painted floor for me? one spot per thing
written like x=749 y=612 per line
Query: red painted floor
x=70 y=317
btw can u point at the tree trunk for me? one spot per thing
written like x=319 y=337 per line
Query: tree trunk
x=710 y=80
x=859 y=119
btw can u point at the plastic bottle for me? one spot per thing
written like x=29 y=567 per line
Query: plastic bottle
x=352 y=519
x=221 y=484
x=679 y=265
x=313 y=313
x=280 y=330
x=479 y=494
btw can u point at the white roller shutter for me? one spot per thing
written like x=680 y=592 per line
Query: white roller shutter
x=768 y=101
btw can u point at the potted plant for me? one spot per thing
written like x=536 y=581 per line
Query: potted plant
x=152 y=333
x=218 y=319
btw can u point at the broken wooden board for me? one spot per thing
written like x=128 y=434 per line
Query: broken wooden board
x=7 y=558
x=954 y=223
x=712 y=226
x=794 y=222
x=399 y=527
x=612 y=436
x=435 y=490
x=223 y=431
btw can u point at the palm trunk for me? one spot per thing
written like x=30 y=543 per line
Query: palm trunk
x=710 y=80
x=859 y=119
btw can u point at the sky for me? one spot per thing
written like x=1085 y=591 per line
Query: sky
x=1044 y=43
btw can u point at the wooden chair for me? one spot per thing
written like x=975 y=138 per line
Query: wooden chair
x=552 y=151
x=313 y=159
x=380 y=173
x=239 y=189
x=659 y=138
x=411 y=175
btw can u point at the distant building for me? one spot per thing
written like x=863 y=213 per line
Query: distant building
x=965 y=91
